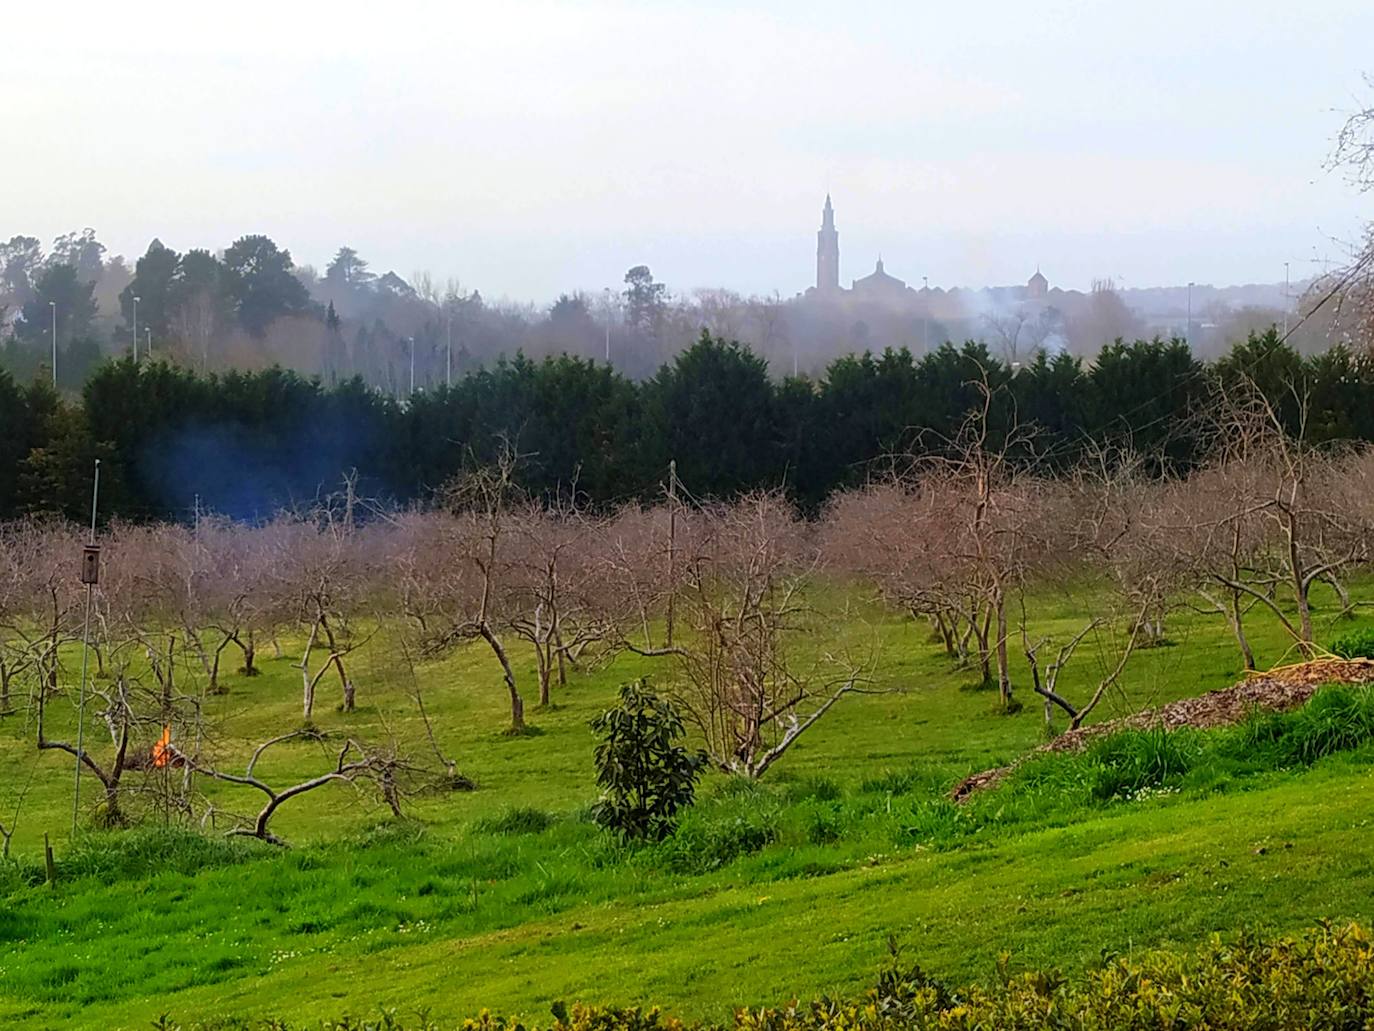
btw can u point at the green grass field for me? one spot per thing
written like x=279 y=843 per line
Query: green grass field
x=507 y=897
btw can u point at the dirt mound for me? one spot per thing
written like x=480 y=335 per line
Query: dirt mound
x=1278 y=690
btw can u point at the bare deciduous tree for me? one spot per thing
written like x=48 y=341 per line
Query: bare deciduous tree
x=354 y=762
x=457 y=572
x=1351 y=289
x=322 y=567
x=1092 y=535
x=984 y=469
x=740 y=679
x=1269 y=518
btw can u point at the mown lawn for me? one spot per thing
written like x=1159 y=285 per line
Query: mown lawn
x=510 y=899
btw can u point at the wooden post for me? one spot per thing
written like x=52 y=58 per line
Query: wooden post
x=672 y=546
x=48 y=864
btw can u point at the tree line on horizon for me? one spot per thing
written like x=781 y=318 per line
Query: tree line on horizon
x=251 y=306
x=173 y=443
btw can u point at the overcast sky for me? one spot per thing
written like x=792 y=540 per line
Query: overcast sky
x=531 y=148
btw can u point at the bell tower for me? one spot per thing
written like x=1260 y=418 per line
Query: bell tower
x=828 y=252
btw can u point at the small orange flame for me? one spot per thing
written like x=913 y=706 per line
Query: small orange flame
x=162 y=751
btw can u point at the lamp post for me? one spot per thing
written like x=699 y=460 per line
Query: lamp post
x=53 y=306
x=1286 y=302
x=1188 y=332
x=925 y=308
x=136 y=300
x=607 y=292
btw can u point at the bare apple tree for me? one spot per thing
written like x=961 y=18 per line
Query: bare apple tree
x=902 y=536
x=321 y=567
x=457 y=570
x=558 y=601
x=1350 y=289
x=985 y=473
x=353 y=764
x=1094 y=544
x=1270 y=517
x=42 y=607
x=743 y=677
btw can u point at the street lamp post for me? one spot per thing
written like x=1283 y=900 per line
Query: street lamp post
x=136 y=300
x=925 y=317
x=53 y=306
x=1188 y=332
x=1286 y=302
x=607 y=292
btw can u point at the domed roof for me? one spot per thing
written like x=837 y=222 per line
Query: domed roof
x=880 y=279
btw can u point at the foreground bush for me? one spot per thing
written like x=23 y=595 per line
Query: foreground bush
x=1321 y=979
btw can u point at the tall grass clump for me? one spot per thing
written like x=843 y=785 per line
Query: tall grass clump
x=1131 y=760
x=1124 y=765
x=1336 y=719
x=517 y=820
x=113 y=856
x=1355 y=644
x=741 y=817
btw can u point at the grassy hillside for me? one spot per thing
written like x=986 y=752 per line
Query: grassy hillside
x=507 y=897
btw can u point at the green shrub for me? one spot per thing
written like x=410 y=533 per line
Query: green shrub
x=914 y=779
x=1356 y=644
x=1257 y=734
x=935 y=821
x=645 y=776
x=891 y=782
x=1131 y=764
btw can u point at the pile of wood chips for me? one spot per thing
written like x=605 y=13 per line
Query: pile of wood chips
x=1278 y=690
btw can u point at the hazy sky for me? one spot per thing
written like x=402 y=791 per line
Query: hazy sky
x=529 y=148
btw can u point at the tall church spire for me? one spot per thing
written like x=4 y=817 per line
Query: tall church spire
x=828 y=252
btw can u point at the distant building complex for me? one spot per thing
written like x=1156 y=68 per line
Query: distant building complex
x=879 y=286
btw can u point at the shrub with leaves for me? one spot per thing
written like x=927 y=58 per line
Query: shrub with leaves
x=645 y=775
